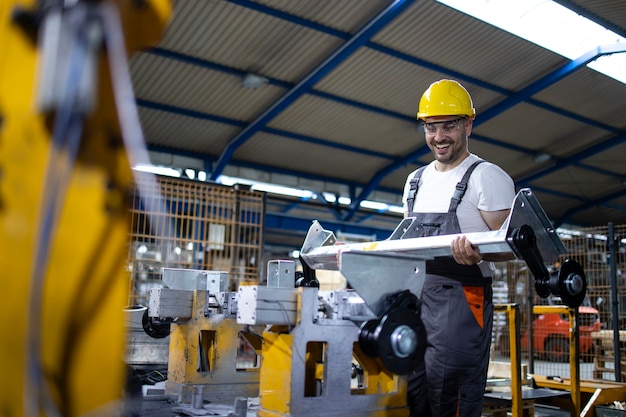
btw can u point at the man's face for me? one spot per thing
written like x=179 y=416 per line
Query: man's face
x=446 y=136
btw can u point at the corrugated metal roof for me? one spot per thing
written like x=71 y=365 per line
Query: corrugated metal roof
x=354 y=128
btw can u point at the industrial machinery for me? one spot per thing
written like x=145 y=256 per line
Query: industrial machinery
x=389 y=274
x=310 y=349
x=340 y=352
x=313 y=363
x=65 y=159
x=211 y=356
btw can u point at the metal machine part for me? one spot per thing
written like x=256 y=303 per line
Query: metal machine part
x=259 y=304
x=398 y=338
x=569 y=282
x=402 y=261
x=316 y=367
x=384 y=272
x=313 y=363
x=208 y=347
x=214 y=282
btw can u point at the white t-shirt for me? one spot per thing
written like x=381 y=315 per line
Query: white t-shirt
x=489 y=188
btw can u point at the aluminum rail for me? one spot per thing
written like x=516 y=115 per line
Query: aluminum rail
x=377 y=269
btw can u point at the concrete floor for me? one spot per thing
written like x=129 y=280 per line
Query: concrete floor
x=164 y=408
x=154 y=403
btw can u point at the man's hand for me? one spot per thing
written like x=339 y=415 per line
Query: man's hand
x=464 y=252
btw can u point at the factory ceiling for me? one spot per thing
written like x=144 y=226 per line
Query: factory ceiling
x=322 y=95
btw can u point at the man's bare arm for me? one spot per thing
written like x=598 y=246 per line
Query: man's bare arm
x=467 y=254
x=494 y=220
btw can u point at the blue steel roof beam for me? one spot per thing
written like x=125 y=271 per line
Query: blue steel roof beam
x=167 y=108
x=574 y=116
x=222 y=68
x=283 y=84
x=233 y=122
x=544 y=82
x=203 y=63
x=574 y=159
x=296 y=136
x=290 y=18
x=166 y=53
x=558 y=162
x=359 y=39
x=377 y=47
x=330 y=31
x=595 y=202
x=568 y=68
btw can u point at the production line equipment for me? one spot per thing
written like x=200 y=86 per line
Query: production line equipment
x=312 y=361
x=389 y=274
x=211 y=356
x=308 y=341
x=334 y=353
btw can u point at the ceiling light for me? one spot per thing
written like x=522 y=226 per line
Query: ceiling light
x=552 y=26
x=254 y=81
x=158 y=170
x=542 y=157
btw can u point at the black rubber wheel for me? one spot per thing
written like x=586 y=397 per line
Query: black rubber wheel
x=153 y=329
x=377 y=340
x=557 y=350
x=561 y=284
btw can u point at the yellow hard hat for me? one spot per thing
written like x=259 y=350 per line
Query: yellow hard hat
x=446 y=98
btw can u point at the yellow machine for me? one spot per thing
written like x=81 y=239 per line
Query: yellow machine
x=64 y=180
x=211 y=356
x=331 y=353
x=313 y=363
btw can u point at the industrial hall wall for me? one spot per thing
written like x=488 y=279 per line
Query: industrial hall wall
x=179 y=223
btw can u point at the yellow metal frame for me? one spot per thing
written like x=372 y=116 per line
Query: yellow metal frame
x=600 y=392
x=574 y=354
x=512 y=313
x=80 y=336
x=203 y=354
x=298 y=367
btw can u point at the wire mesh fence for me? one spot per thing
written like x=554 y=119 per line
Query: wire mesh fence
x=179 y=223
x=601 y=251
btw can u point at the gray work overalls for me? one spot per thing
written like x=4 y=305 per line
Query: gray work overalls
x=457 y=314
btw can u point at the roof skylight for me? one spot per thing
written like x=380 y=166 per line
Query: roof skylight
x=552 y=26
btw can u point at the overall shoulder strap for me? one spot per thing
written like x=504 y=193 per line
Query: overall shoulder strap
x=461 y=187
x=410 y=199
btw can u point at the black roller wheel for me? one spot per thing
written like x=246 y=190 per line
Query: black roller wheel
x=570 y=284
x=154 y=329
x=397 y=339
x=557 y=350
